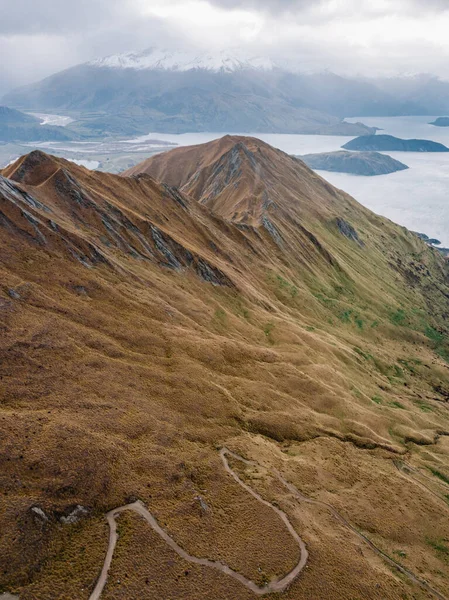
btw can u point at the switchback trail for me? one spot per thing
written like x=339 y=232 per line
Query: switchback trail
x=277 y=585
x=423 y=584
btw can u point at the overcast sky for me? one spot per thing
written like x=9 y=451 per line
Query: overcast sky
x=40 y=37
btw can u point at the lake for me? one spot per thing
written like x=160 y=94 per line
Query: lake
x=417 y=198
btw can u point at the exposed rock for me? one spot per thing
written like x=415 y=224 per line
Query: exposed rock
x=39 y=514
x=205 y=508
x=175 y=194
x=211 y=274
x=162 y=244
x=15 y=194
x=75 y=515
x=348 y=230
x=274 y=233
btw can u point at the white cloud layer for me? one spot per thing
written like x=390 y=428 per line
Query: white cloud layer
x=369 y=37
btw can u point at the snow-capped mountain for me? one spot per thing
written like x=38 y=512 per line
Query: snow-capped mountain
x=169 y=60
x=229 y=91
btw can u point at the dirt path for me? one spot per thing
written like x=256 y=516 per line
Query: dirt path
x=301 y=498
x=406 y=471
x=277 y=585
x=423 y=584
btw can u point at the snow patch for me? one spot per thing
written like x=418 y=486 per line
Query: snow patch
x=165 y=60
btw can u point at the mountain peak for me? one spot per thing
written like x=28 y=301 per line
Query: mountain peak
x=246 y=181
x=180 y=60
x=32 y=168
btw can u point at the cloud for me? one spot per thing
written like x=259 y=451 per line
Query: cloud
x=337 y=6
x=57 y=34
x=273 y=5
x=38 y=38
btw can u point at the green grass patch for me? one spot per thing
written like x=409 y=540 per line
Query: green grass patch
x=439 y=546
x=439 y=475
x=443 y=353
x=345 y=317
x=399 y=317
x=220 y=316
x=424 y=406
x=377 y=399
x=408 y=365
x=283 y=285
x=361 y=353
x=398 y=372
x=328 y=302
x=434 y=335
x=358 y=321
x=440 y=342
x=396 y=404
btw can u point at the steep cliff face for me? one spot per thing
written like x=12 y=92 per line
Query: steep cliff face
x=217 y=296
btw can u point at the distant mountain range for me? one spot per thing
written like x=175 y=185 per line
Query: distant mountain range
x=176 y=92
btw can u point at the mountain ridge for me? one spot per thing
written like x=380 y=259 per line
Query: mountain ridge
x=145 y=331
x=163 y=93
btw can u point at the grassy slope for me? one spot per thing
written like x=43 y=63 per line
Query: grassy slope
x=120 y=381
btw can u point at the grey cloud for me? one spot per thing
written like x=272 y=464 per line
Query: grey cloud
x=56 y=16
x=276 y=6
x=40 y=37
x=272 y=5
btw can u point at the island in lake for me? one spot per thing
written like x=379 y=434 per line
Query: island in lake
x=356 y=163
x=379 y=143
x=441 y=122
x=434 y=243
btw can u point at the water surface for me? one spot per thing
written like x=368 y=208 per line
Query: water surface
x=417 y=198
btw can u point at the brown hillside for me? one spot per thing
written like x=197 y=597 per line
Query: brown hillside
x=221 y=296
x=241 y=178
